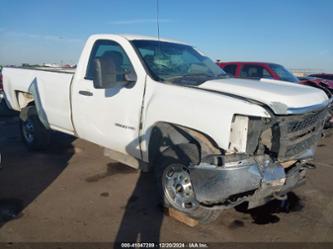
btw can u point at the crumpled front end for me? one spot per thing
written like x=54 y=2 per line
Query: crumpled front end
x=255 y=180
x=266 y=159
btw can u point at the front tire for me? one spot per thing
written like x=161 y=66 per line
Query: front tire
x=175 y=187
x=33 y=132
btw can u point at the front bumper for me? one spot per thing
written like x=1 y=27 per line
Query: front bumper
x=254 y=181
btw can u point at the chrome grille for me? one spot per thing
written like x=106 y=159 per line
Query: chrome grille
x=299 y=133
x=309 y=120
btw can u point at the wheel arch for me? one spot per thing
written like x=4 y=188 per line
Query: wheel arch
x=26 y=99
x=166 y=135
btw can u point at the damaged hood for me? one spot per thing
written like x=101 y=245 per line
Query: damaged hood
x=282 y=97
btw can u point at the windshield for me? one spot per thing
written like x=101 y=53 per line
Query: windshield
x=177 y=63
x=283 y=73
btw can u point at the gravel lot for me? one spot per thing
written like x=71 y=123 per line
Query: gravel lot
x=72 y=192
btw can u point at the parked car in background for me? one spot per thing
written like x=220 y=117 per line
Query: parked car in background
x=325 y=76
x=259 y=70
x=326 y=85
x=265 y=70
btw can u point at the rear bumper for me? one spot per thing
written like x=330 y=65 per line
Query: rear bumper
x=253 y=181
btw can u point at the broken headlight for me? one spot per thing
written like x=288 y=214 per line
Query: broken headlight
x=245 y=133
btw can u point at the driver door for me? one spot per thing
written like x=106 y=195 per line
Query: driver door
x=110 y=116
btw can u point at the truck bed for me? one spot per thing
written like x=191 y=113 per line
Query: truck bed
x=50 y=89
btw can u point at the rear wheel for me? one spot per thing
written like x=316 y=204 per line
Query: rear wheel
x=176 y=190
x=33 y=132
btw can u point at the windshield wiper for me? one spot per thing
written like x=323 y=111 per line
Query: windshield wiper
x=190 y=79
x=198 y=74
x=195 y=78
x=203 y=75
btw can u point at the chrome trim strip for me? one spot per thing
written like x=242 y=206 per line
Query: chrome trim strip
x=312 y=108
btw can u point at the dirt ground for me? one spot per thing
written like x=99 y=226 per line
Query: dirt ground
x=71 y=192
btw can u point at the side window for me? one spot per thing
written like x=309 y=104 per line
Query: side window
x=230 y=69
x=266 y=74
x=254 y=72
x=109 y=49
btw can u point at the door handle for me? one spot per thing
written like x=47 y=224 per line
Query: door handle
x=86 y=93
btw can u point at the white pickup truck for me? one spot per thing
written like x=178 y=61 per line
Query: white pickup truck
x=213 y=141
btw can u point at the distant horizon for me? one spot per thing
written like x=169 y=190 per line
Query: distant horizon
x=44 y=64
x=261 y=30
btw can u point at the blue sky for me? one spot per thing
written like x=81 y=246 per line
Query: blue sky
x=295 y=33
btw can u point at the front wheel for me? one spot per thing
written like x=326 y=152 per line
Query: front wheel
x=176 y=190
x=33 y=132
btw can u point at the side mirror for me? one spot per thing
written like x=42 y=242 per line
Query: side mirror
x=104 y=73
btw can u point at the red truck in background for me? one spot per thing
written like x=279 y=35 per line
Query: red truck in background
x=259 y=70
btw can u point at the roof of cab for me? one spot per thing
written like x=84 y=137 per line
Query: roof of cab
x=247 y=62
x=132 y=37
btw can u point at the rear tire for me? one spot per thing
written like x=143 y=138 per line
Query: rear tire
x=175 y=187
x=33 y=132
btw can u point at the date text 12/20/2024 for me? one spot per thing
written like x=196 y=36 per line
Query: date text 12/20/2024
x=164 y=245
